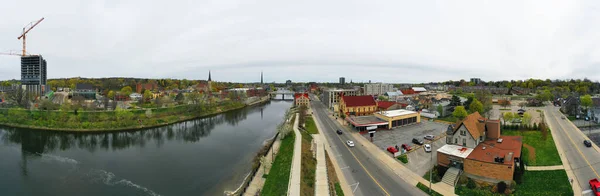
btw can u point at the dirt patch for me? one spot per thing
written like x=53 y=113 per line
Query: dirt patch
x=531 y=150
x=331 y=175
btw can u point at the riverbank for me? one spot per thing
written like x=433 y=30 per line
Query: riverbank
x=110 y=121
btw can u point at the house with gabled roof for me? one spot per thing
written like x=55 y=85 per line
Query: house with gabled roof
x=475 y=145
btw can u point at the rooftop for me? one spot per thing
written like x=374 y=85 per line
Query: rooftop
x=394 y=113
x=454 y=150
x=419 y=89
x=385 y=104
x=494 y=149
x=360 y=121
x=354 y=101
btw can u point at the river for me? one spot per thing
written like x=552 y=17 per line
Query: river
x=199 y=157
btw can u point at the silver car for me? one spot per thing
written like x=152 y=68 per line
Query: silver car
x=429 y=137
x=350 y=143
x=427 y=147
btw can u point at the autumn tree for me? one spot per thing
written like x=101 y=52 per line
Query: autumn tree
x=126 y=91
x=508 y=117
x=147 y=96
x=586 y=101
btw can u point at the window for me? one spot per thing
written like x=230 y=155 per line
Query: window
x=464 y=142
x=455 y=140
x=480 y=138
x=463 y=132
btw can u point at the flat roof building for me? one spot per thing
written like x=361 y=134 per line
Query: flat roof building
x=33 y=73
x=401 y=117
x=331 y=97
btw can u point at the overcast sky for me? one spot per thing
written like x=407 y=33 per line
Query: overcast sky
x=308 y=40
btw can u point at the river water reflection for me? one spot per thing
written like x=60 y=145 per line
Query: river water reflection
x=199 y=157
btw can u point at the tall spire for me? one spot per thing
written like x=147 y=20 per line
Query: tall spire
x=261 y=77
x=209 y=76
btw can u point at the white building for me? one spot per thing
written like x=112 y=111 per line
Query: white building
x=378 y=88
x=331 y=97
x=135 y=96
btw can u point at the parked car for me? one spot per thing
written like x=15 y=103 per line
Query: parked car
x=587 y=143
x=595 y=185
x=339 y=132
x=587 y=118
x=350 y=143
x=392 y=150
x=429 y=137
x=427 y=147
x=417 y=141
x=406 y=147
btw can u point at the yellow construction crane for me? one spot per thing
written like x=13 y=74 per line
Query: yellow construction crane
x=26 y=30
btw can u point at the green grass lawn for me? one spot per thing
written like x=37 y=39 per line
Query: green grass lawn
x=425 y=189
x=451 y=119
x=572 y=118
x=279 y=176
x=311 y=128
x=554 y=182
x=545 y=151
x=308 y=165
x=338 y=189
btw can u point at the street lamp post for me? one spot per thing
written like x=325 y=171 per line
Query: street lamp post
x=431 y=172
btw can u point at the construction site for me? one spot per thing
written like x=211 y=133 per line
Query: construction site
x=33 y=67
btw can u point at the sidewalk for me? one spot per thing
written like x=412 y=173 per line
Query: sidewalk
x=294 y=184
x=338 y=171
x=398 y=168
x=544 y=168
x=258 y=181
x=321 y=185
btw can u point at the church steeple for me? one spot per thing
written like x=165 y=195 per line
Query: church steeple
x=209 y=76
x=261 y=77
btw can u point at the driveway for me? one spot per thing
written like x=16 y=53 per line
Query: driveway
x=403 y=135
x=420 y=161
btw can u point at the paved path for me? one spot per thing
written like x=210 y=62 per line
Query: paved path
x=294 y=185
x=258 y=181
x=336 y=166
x=322 y=186
x=544 y=168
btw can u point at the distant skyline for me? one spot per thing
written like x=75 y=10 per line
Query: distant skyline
x=383 y=41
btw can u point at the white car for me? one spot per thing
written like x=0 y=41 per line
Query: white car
x=429 y=137
x=427 y=147
x=350 y=143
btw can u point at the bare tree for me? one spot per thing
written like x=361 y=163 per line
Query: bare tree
x=19 y=97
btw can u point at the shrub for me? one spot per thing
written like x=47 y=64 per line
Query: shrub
x=403 y=158
x=462 y=180
x=471 y=183
x=501 y=187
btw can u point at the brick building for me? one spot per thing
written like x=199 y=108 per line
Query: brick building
x=357 y=105
x=301 y=99
x=147 y=86
x=388 y=105
x=476 y=146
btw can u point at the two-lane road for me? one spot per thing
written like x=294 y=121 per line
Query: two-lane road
x=365 y=175
x=583 y=161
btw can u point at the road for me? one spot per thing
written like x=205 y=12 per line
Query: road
x=364 y=174
x=584 y=161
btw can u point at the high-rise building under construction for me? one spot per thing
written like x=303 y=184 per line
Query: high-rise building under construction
x=33 y=73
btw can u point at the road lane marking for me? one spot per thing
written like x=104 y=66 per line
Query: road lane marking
x=345 y=167
x=577 y=148
x=356 y=187
x=360 y=163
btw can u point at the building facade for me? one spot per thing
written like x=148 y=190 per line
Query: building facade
x=397 y=118
x=342 y=80
x=301 y=99
x=331 y=97
x=34 y=74
x=357 y=105
x=378 y=88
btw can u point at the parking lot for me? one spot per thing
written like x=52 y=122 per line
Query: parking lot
x=418 y=158
x=403 y=135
